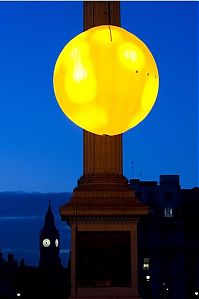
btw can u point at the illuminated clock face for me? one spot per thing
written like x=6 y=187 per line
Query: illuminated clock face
x=46 y=242
x=56 y=243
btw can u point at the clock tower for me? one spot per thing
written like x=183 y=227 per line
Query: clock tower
x=49 y=243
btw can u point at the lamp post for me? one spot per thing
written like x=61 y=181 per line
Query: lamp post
x=103 y=212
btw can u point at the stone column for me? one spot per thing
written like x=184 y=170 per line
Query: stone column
x=102 y=154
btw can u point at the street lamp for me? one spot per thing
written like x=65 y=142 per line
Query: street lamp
x=106 y=80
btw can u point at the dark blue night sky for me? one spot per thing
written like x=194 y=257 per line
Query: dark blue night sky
x=41 y=150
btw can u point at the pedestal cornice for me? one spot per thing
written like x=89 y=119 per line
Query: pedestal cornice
x=106 y=195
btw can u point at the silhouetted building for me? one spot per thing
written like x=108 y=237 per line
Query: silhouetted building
x=190 y=207
x=168 y=239
x=52 y=278
x=49 y=243
x=49 y=280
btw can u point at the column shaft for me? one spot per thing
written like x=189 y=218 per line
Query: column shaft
x=102 y=154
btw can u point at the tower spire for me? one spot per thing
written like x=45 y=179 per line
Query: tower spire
x=49 y=242
x=49 y=217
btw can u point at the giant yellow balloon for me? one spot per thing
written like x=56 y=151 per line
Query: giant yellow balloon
x=106 y=80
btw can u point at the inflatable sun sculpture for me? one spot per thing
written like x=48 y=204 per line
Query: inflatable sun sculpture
x=106 y=80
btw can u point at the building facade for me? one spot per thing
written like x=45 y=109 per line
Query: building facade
x=168 y=239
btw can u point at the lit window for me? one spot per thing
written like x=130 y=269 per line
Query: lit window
x=168 y=213
x=196 y=293
x=146 y=263
x=148 y=277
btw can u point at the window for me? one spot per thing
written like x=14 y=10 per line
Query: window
x=148 y=277
x=168 y=213
x=146 y=263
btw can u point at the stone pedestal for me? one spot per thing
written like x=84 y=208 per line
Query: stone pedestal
x=103 y=211
x=105 y=289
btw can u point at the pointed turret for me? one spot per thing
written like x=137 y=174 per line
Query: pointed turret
x=49 y=222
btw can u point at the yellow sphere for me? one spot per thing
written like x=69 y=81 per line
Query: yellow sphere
x=106 y=80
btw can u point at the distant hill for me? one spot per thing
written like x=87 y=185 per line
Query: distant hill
x=34 y=203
